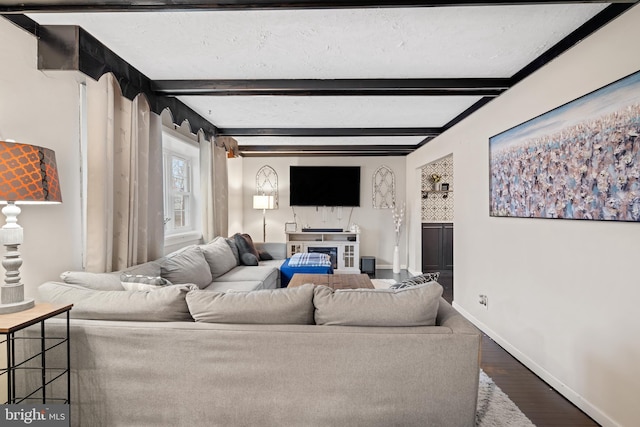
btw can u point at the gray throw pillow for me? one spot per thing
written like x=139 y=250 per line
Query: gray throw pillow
x=138 y=282
x=166 y=304
x=417 y=280
x=414 y=306
x=249 y=259
x=245 y=246
x=219 y=256
x=291 y=306
x=187 y=266
x=234 y=248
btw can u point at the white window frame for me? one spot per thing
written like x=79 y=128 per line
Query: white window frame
x=176 y=145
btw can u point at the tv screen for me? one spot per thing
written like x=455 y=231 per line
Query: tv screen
x=324 y=185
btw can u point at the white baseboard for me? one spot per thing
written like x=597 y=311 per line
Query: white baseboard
x=558 y=385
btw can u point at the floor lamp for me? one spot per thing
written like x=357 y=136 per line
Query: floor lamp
x=264 y=202
x=28 y=175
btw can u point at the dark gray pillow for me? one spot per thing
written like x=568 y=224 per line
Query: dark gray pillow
x=234 y=248
x=245 y=245
x=417 y=280
x=187 y=266
x=249 y=259
x=265 y=256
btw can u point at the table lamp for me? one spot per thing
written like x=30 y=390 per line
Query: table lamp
x=264 y=202
x=28 y=175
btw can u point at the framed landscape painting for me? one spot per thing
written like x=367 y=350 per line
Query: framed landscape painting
x=578 y=161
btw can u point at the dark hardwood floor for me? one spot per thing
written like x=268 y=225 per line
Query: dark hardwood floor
x=535 y=398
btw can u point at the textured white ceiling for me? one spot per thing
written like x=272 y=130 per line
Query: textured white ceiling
x=330 y=111
x=494 y=41
x=439 y=42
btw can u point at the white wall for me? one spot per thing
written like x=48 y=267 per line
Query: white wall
x=377 y=236
x=41 y=109
x=563 y=294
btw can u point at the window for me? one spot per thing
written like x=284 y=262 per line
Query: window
x=181 y=185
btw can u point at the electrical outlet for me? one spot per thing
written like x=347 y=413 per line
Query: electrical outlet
x=484 y=301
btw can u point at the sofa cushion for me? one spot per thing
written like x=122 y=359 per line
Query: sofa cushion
x=163 y=305
x=269 y=306
x=265 y=274
x=416 y=280
x=240 y=285
x=97 y=281
x=414 y=306
x=219 y=256
x=187 y=266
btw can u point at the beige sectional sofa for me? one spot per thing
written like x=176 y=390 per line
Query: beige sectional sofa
x=183 y=355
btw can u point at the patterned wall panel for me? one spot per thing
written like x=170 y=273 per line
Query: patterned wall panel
x=437 y=207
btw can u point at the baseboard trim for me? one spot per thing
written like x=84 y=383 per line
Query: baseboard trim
x=571 y=395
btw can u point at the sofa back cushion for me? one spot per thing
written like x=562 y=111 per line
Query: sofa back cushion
x=166 y=304
x=219 y=256
x=291 y=306
x=414 y=306
x=187 y=266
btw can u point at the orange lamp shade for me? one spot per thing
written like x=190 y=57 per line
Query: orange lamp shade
x=28 y=174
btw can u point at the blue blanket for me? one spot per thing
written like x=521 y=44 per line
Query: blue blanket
x=310 y=259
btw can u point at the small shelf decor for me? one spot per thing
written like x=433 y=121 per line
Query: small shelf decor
x=436 y=181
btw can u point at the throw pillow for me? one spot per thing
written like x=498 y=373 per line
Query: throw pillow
x=234 y=248
x=417 y=280
x=166 y=304
x=245 y=246
x=249 y=259
x=265 y=256
x=219 y=256
x=414 y=306
x=292 y=306
x=187 y=266
x=139 y=282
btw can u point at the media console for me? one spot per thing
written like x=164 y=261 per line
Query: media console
x=342 y=246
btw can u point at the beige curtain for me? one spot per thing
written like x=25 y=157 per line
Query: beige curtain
x=124 y=179
x=214 y=189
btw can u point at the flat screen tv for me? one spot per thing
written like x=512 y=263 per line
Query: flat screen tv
x=324 y=185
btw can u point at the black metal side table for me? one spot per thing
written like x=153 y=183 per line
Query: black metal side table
x=14 y=322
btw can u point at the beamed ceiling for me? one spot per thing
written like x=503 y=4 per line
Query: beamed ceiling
x=309 y=77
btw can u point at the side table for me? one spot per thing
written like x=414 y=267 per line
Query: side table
x=14 y=322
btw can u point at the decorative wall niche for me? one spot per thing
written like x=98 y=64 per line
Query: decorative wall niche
x=437 y=206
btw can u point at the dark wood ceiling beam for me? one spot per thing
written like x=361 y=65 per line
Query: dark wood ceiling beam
x=324 y=150
x=335 y=87
x=49 y=6
x=328 y=132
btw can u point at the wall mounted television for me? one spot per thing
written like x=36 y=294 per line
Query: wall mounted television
x=324 y=186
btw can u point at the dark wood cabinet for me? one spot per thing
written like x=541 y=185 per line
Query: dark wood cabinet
x=437 y=246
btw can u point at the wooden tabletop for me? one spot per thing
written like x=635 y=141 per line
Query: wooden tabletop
x=15 y=321
x=334 y=281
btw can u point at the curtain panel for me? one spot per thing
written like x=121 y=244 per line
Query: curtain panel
x=124 y=179
x=214 y=190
